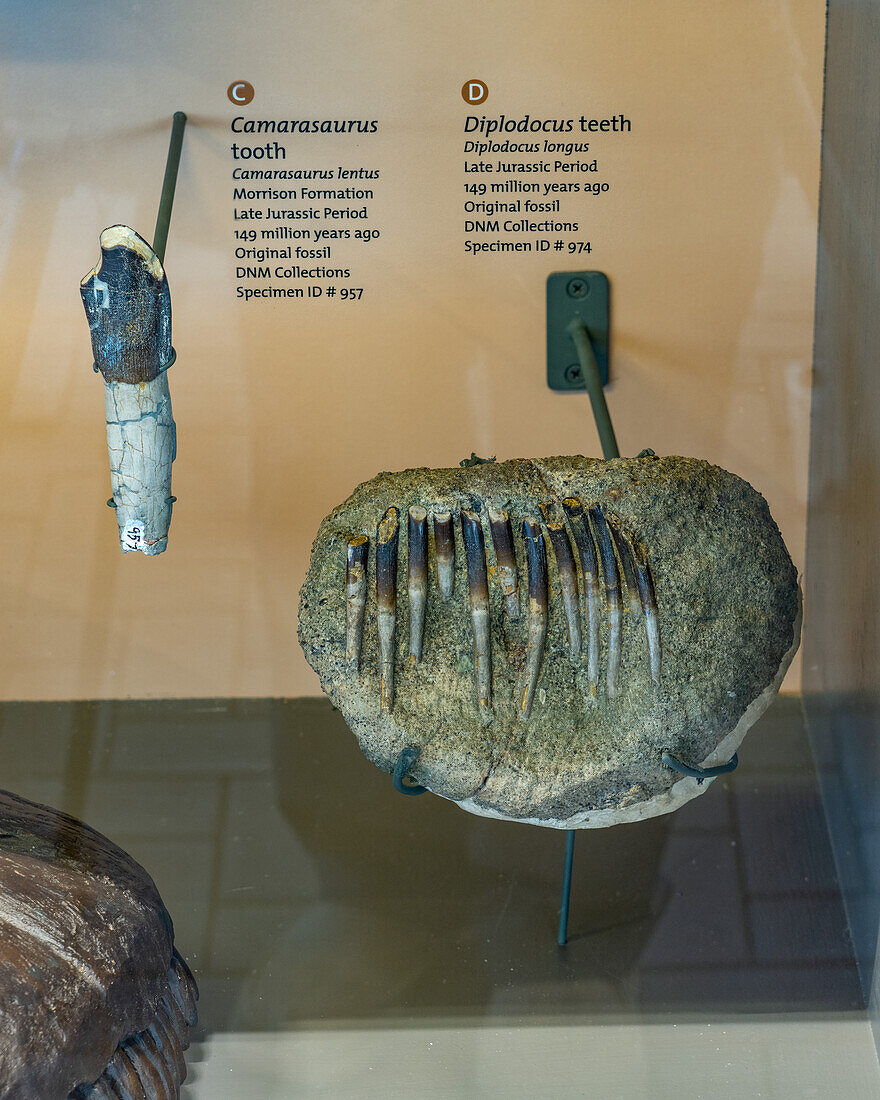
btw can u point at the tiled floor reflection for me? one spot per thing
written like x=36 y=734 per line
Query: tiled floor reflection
x=303 y=888
x=308 y=895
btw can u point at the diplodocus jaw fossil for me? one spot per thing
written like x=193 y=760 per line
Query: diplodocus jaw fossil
x=569 y=621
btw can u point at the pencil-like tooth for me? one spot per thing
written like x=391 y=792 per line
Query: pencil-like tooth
x=171 y=1007
x=583 y=539
x=417 y=578
x=387 y=534
x=444 y=548
x=505 y=561
x=611 y=579
x=478 y=591
x=536 y=558
x=567 y=583
x=122 y=1073
x=648 y=598
x=151 y=1048
x=146 y=1073
x=355 y=598
x=171 y=1047
x=625 y=555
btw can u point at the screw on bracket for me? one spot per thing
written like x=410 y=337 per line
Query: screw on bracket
x=573 y=373
x=578 y=288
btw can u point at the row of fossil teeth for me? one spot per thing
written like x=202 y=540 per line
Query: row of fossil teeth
x=151 y=1063
x=600 y=545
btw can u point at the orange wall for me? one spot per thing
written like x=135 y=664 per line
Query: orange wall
x=708 y=236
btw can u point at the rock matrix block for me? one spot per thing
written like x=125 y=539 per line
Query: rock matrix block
x=542 y=631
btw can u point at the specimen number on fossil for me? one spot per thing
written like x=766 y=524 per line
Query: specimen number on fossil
x=569 y=622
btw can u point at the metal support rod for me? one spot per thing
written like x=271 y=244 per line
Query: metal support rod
x=562 y=937
x=405 y=760
x=590 y=369
x=699 y=773
x=169 y=183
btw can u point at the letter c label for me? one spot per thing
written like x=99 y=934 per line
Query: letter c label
x=240 y=91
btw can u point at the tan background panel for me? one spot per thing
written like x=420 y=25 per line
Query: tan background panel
x=708 y=237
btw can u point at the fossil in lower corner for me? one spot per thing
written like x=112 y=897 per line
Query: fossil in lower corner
x=95 y=1001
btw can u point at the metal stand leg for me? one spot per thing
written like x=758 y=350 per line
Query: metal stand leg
x=562 y=937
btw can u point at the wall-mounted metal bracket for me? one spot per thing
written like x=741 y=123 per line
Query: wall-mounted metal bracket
x=582 y=295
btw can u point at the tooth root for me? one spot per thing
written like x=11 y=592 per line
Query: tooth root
x=505 y=561
x=567 y=583
x=536 y=558
x=583 y=539
x=444 y=549
x=611 y=579
x=478 y=591
x=387 y=534
x=417 y=578
x=355 y=598
x=648 y=599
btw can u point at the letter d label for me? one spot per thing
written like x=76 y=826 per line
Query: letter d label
x=474 y=91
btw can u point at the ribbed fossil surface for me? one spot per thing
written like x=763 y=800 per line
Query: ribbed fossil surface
x=94 y=1000
x=540 y=632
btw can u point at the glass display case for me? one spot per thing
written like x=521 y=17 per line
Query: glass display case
x=389 y=239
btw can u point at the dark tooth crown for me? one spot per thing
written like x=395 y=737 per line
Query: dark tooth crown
x=624 y=553
x=505 y=560
x=417 y=545
x=583 y=537
x=387 y=534
x=475 y=552
x=536 y=557
x=610 y=574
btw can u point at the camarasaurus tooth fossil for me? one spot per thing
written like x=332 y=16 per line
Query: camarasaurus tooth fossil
x=444 y=550
x=95 y=1001
x=478 y=595
x=505 y=560
x=128 y=308
x=611 y=581
x=387 y=535
x=684 y=675
x=536 y=559
x=355 y=598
